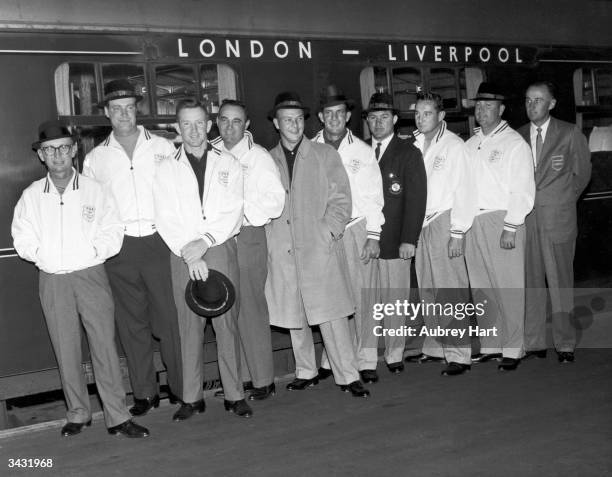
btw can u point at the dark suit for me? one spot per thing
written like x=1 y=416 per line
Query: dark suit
x=562 y=173
x=405 y=192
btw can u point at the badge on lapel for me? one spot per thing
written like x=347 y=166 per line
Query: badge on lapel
x=395 y=186
x=354 y=165
x=438 y=164
x=223 y=178
x=557 y=163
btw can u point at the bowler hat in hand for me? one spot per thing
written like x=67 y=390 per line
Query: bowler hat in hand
x=211 y=297
x=288 y=100
x=117 y=89
x=50 y=130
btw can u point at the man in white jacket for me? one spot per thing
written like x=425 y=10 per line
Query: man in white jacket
x=440 y=264
x=264 y=199
x=198 y=211
x=362 y=233
x=502 y=166
x=68 y=227
x=125 y=164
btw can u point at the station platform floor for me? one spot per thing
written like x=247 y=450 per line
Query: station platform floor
x=544 y=419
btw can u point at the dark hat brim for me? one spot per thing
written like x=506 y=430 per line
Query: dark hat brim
x=350 y=104
x=36 y=144
x=273 y=111
x=488 y=97
x=104 y=103
x=209 y=310
x=365 y=112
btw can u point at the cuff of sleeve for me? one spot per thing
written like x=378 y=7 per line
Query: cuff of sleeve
x=457 y=234
x=510 y=227
x=373 y=235
x=209 y=239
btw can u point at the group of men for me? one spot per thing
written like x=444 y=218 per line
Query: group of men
x=312 y=233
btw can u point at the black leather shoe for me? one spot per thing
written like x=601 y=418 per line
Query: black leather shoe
x=484 y=357
x=299 y=384
x=240 y=408
x=369 y=375
x=74 y=428
x=565 y=356
x=189 y=409
x=129 y=429
x=423 y=358
x=173 y=398
x=455 y=369
x=324 y=373
x=356 y=389
x=264 y=392
x=395 y=368
x=142 y=406
x=538 y=353
x=508 y=364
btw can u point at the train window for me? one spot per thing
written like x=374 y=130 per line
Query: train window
x=593 y=87
x=405 y=82
x=172 y=84
x=135 y=73
x=76 y=91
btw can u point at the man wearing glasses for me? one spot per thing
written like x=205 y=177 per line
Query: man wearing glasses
x=308 y=281
x=68 y=226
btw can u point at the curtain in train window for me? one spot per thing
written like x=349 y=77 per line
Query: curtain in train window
x=133 y=72
x=76 y=92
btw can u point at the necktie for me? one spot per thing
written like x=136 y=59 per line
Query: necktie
x=539 y=144
x=377 y=150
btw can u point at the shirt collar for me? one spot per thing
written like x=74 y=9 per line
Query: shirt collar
x=543 y=127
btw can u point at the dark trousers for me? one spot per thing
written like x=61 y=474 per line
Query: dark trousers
x=140 y=279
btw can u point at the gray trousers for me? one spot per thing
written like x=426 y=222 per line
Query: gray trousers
x=497 y=277
x=364 y=283
x=253 y=321
x=86 y=293
x=442 y=280
x=549 y=262
x=191 y=327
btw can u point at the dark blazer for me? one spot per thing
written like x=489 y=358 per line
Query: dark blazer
x=561 y=175
x=405 y=191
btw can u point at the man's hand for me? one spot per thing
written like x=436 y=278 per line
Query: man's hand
x=507 y=240
x=456 y=247
x=194 y=250
x=198 y=270
x=406 y=251
x=371 y=250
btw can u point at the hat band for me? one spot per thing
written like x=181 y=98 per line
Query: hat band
x=490 y=96
x=120 y=93
x=381 y=106
x=290 y=103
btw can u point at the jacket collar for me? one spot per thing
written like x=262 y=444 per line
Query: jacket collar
x=73 y=184
x=111 y=140
x=502 y=126
x=420 y=137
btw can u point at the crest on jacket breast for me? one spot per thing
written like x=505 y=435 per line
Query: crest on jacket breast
x=223 y=178
x=438 y=163
x=89 y=213
x=557 y=163
x=354 y=165
x=161 y=157
x=495 y=156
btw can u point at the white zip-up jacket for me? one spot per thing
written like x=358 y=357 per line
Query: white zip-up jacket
x=69 y=232
x=365 y=180
x=130 y=181
x=503 y=172
x=264 y=194
x=181 y=216
x=449 y=180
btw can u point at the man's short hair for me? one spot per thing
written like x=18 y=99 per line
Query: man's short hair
x=191 y=103
x=552 y=89
x=234 y=102
x=435 y=98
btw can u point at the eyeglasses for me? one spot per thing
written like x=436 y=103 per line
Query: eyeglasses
x=534 y=101
x=51 y=150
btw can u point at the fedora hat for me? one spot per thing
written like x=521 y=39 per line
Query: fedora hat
x=332 y=96
x=50 y=130
x=211 y=297
x=380 y=102
x=488 y=92
x=117 y=89
x=288 y=100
